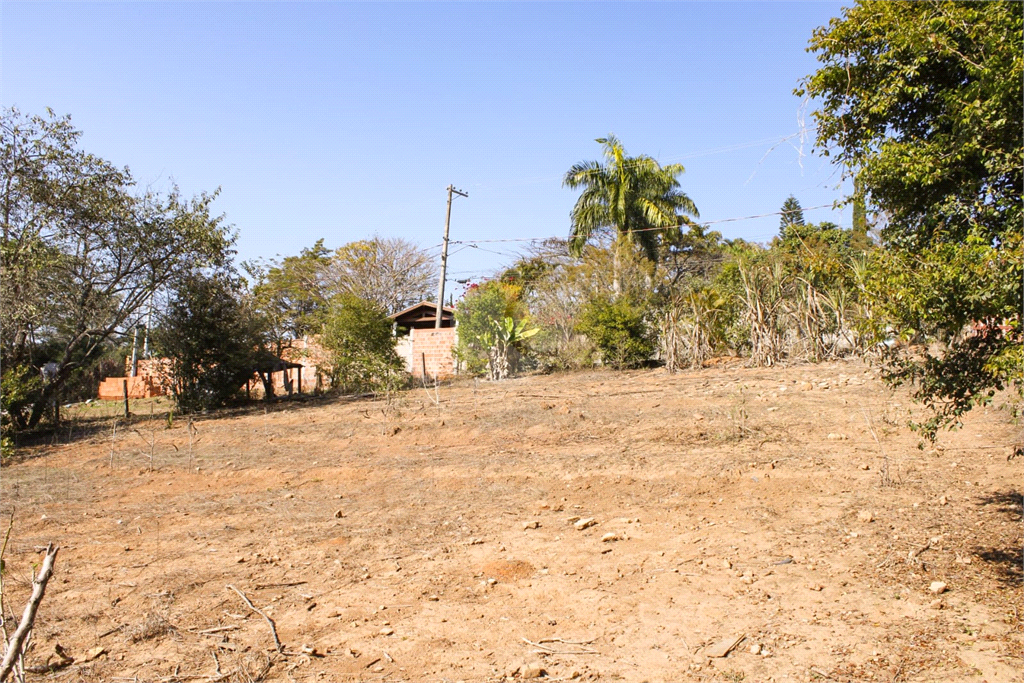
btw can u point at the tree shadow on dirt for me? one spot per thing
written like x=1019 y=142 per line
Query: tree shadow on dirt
x=36 y=443
x=1007 y=562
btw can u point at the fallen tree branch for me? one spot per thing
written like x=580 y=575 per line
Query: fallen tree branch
x=257 y=610
x=544 y=649
x=913 y=554
x=215 y=630
x=28 y=618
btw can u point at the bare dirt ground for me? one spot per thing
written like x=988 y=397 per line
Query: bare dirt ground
x=426 y=542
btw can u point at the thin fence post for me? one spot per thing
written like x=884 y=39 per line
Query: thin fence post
x=124 y=386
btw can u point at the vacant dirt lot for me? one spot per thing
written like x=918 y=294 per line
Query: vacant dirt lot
x=787 y=511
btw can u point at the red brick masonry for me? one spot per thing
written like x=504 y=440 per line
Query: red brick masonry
x=433 y=347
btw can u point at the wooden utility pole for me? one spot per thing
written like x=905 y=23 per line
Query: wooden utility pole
x=444 y=255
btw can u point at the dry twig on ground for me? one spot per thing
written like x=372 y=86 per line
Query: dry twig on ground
x=257 y=610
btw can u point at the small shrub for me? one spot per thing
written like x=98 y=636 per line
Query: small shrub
x=620 y=332
x=481 y=308
x=357 y=334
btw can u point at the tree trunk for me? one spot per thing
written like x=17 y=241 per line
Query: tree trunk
x=44 y=401
x=268 y=385
x=617 y=269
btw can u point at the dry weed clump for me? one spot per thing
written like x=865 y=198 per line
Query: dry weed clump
x=154 y=626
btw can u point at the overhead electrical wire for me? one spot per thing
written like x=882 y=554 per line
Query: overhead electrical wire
x=701 y=223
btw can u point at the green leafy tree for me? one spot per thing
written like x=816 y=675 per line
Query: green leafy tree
x=82 y=252
x=291 y=294
x=620 y=330
x=921 y=102
x=212 y=338
x=792 y=215
x=695 y=254
x=476 y=314
x=635 y=198
x=860 y=240
x=357 y=335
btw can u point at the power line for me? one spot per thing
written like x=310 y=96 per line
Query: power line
x=702 y=223
x=691 y=155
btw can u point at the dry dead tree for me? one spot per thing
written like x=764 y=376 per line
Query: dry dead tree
x=16 y=643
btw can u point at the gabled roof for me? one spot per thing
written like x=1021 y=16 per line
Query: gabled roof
x=423 y=312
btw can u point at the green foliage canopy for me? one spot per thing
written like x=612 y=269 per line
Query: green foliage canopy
x=290 y=294
x=357 y=334
x=619 y=330
x=81 y=251
x=212 y=338
x=480 y=309
x=922 y=103
x=635 y=197
x=792 y=214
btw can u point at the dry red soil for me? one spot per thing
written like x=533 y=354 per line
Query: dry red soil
x=787 y=511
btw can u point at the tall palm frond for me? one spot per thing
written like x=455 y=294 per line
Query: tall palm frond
x=635 y=197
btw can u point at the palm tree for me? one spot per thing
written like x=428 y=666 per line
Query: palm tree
x=634 y=196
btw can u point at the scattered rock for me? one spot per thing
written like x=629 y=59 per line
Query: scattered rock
x=533 y=524
x=585 y=523
x=936 y=604
x=816 y=587
x=755 y=649
x=698 y=417
x=865 y=516
x=95 y=653
x=492 y=581
x=726 y=564
x=837 y=437
x=938 y=587
x=963 y=559
x=609 y=537
x=532 y=670
x=339 y=514
x=943 y=500
x=865 y=466
x=805 y=386
x=387 y=631
x=723 y=647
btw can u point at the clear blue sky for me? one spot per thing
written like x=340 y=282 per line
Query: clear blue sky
x=341 y=120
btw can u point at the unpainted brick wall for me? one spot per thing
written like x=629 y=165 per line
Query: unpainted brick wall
x=434 y=348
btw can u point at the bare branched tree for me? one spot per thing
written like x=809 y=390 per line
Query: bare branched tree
x=392 y=272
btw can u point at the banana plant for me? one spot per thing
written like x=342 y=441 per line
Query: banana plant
x=505 y=343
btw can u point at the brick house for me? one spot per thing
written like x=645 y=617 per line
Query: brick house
x=425 y=348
